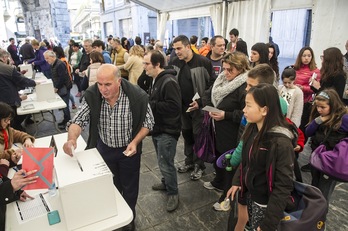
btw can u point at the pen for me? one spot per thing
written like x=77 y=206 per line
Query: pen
x=16 y=170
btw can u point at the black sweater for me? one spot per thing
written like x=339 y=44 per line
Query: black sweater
x=165 y=102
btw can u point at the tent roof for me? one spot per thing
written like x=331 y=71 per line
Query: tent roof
x=173 y=5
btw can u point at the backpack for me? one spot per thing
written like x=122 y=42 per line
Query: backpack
x=308 y=208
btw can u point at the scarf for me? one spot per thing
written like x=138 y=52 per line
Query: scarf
x=5 y=139
x=222 y=87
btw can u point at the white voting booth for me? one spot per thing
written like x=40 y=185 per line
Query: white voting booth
x=86 y=171
x=86 y=198
x=45 y=91
x=29 y=68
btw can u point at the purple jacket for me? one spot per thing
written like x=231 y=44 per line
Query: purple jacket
x=39 y=59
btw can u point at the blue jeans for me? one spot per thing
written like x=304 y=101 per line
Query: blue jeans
x=165 y=146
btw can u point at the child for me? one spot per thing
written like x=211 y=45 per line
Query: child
x=267 y=158
x=8 y=136
x=329 y=122
x=292 y=94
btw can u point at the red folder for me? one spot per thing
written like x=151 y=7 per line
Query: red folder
x=40 y=159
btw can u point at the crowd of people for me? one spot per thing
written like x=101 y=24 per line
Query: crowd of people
x=128 y=91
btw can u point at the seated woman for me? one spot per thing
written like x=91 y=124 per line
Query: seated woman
x=8 y=136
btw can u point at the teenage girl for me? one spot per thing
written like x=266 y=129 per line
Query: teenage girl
x=292 y=94
x=267 y=158
x=329 y=123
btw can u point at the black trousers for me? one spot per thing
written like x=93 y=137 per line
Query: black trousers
x=125 y=171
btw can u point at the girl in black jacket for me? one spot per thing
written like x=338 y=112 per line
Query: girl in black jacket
x=266 y=171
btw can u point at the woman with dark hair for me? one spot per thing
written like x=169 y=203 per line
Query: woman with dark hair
x=332 y=72
x=205 y=47
x=266 y=169
x=259 y=54
x=273 y=59
x=241 y=46
x=124 y=43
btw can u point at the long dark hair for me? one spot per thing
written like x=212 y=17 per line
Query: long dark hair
x=265 y=95
x=332 y=64
x=262 y=49
x=274 y=61
x=6 y=111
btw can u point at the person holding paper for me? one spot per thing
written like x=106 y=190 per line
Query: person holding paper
x=195 y=75
x=119 y=118
x=10 y=190
x=227 y=95
x=8 y=136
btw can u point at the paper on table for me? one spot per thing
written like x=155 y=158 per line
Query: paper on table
x=210 y=109
x=40 y=159
x=31 y=209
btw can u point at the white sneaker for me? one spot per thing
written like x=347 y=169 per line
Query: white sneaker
x=209 y=186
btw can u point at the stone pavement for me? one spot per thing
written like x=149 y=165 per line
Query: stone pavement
x=195 y=212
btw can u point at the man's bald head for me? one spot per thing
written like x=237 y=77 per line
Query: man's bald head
x=109 y=69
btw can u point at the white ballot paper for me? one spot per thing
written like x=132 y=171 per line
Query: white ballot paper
x=211 y=109
x=31 y=209
x=194 y=98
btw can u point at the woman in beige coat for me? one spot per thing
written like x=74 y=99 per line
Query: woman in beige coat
x=134 y=64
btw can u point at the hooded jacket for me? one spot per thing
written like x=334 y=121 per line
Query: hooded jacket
x=268 y=176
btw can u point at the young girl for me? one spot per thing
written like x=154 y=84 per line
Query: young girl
x=329 y=122
x=267 y=158
x=8 y=136
x=292 y=94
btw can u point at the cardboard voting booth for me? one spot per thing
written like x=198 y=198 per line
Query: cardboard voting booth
x=85 y=172
x=45 y=91
x=29 y=68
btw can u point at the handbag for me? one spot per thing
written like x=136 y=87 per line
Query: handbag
x=204 y=145
x=332 y=162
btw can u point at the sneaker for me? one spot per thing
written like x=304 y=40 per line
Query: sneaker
x=159 y=187
x=73 y=106
x=197 y=173
x=223 y=206
x=185 y=168
x=173 y=202
x=209 y=186
x=306 y=168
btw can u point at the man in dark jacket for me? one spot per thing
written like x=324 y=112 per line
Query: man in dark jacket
x=165 y=101
x=61 y=82
x=27 y=51
x=10 y=82
x=195 y=76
